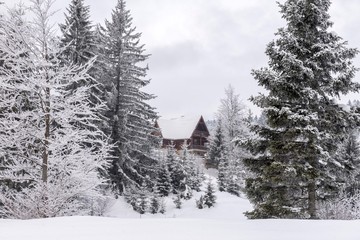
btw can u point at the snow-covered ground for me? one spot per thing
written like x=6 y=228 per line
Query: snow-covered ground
x=223 y=222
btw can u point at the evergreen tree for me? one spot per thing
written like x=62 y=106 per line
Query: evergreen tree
x=130 y=117
x=176 y=170
x=348 y=156
x=209 y=197
x=163 y=181
x=233 y=181
x=190 y=170
x=143 y=198
x=308 y=67
x=178 y=201
x=78 y=38
x=217 y=147
x=222 y=175
x=155 y=204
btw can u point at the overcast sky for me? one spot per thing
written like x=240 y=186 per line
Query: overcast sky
x=199 y=47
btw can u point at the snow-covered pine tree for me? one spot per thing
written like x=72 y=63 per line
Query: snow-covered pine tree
x=130 y=116
x=143 y=198
x=78 y=38
x=309 y=66
x=80 y=45
x=222 y=174
x=163 y=181
x=176 y=170
x=154 y=204
x=190 y=169
x=209 y=197
x=348 y=155
x=217 y=147
x=42 y=151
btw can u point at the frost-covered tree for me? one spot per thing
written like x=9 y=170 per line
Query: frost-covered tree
x=233 y=114
x=223 y=175
x=193 y=176
x=130 y=116
x=176 y=170
x=163 y=181
x=348 y=154
x=177 y=201
x=53 y=162
x=209 y=197
x=81 y=44
x=225 y=147
x=309 y=66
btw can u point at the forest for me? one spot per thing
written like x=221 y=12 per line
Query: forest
x=77 y=127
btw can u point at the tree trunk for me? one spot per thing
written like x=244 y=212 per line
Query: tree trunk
x=45 y=155
x=312 y=199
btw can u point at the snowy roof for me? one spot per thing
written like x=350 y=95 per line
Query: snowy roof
x=178 y=128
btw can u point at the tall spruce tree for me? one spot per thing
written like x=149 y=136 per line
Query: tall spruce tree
x=309 y=66
x=78 y=37
x=80 y=45
x=130 y=116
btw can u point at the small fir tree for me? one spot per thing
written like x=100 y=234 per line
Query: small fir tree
x=178 y=201
x=155 y=204
x=209 y=197
x=217 y=147
x=176 y=170
x=163 y=181
x=222 y=175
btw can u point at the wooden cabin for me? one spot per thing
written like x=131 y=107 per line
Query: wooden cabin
x=176 y=131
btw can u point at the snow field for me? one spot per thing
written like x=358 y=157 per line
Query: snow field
x=223 y=222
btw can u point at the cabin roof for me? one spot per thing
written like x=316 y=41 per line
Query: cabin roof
x=178 y=128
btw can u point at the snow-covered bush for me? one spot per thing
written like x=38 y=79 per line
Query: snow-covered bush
x=200 y=202
x=345 y=207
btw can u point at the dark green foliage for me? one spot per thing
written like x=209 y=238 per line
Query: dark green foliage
x=348 y=155
x=308 y=67
x=217 y=147
x=176 y=170
x=139 y=199
x=130 y=117
x=233 y=186
x=155 y=205
x=222 y=173
x=198 y=180
x=78 y=37
x=163 y=181
x=209 y=197
x=193 y=176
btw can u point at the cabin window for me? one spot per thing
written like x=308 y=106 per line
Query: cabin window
x=196 y=141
